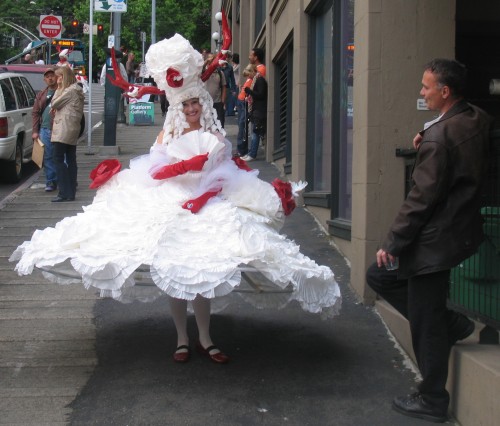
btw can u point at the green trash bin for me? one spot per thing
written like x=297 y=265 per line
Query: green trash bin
x=475 y=283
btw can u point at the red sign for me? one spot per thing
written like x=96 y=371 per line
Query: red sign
x=50 y=26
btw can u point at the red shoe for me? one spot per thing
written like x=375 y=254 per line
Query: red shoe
x=218 y=357
x=182 y=356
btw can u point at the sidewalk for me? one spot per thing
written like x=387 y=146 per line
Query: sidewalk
x=68 y=357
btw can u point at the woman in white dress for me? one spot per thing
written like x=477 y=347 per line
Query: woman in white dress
x=204 y=219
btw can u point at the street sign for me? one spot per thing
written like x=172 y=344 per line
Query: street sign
x=50 y=26
x=110 y=6
x=111 y=41
x=86 y=28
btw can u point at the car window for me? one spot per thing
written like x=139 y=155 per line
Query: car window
x=35 y=79
x=30 y=93
x=75 y=56
x=8 y=94
x=21 y=95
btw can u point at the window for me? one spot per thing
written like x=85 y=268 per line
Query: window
x=319 y=149
x=8 y=95
x=330 y=111
x=30 y=93
x=21 y=95
x=260 y=15
x=283 y=103
x=346 y=113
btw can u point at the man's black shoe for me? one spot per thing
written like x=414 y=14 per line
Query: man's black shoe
x=460 y=328
x=415 y=406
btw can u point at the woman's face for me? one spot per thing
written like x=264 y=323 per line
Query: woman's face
x=59 y=78
x=192 y=110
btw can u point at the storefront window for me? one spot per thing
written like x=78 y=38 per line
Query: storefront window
x=330 y=107
x=346 y=111
x=322 y=105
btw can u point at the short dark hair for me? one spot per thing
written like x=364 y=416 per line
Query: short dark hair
x=449 y=73
x=259 y=53
x=236 y=58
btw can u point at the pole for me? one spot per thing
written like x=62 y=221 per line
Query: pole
x=50 y=52
x=91 y=49
x=117 y=24
x=153 y=21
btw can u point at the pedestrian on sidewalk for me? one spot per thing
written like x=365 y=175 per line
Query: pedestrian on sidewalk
x=42 y=127
x=231 y=89
x=438 y=226
x=257 y=110
x=67 y=109
x=204 y=219
x=216 y=86
x=242 y=108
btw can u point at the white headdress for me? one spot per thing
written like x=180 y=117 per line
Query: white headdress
x=64 y=53
x=176 y=68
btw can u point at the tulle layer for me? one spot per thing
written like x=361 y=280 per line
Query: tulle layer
x=136 y=242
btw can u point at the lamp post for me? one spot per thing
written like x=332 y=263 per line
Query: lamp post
x=216 y=36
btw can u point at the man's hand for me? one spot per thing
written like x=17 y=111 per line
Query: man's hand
x=417 y=140
x=384 y=258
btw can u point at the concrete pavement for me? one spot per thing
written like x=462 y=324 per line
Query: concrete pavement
x=68 y=357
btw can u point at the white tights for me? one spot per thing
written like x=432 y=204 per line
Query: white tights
x=201 y=307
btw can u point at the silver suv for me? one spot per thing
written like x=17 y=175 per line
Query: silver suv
x=16 y=104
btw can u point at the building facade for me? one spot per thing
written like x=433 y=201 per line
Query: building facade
x=344 y=78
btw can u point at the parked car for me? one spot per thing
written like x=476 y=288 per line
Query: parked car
x=34 y=73
x=17 y=98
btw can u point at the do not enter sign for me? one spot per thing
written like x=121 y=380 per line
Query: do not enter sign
x=50 y=26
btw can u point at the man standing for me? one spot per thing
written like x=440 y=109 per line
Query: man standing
x=437 y=227
x=42 y=127
x=256 y=58
x=231 y=89
x=130 y=67
x=216 y=86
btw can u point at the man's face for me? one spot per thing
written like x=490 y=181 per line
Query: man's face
x=252 y=58
x=432 y=92
x=50 y=79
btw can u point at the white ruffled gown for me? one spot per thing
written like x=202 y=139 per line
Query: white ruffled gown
x=136 y=231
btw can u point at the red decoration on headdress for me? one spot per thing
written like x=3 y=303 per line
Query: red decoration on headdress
x=103 y=172
x=173 y=79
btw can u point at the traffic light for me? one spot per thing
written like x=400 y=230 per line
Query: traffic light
x=75 y=24
x=100 y=30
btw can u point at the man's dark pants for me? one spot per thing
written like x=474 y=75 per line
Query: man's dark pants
x=422 y=300
x=221 y=114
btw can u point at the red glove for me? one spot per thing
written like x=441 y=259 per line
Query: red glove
x=194 y=206
x=193 y=164
x=284 y=191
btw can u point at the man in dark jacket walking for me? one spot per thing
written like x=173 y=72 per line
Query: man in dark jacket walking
x=42 y=127
x=437 y=227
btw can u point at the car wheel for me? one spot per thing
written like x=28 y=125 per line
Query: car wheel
x=13 y=170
